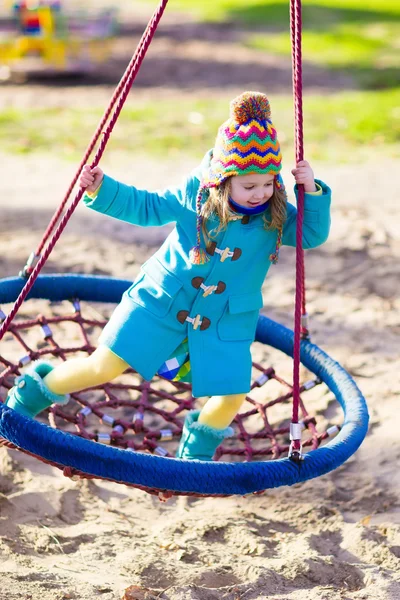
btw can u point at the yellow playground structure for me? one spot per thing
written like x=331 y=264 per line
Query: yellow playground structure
x=41 y=37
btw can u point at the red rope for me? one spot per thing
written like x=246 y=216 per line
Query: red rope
x=93 y=142
x=296 y=28
x=119 y=97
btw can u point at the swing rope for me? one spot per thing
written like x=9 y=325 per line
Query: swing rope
x=119 y=98
x=117 y=101
x=300 y=298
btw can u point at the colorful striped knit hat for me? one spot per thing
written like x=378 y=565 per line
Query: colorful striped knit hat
x=246 y=143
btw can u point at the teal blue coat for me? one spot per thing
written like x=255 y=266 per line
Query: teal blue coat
x=144 y=329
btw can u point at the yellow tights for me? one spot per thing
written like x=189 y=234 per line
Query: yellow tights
x=103 y=365
x=219 y=411
x=81 y=373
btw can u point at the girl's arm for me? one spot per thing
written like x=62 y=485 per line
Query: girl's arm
x=132 y=205
x=317 y=201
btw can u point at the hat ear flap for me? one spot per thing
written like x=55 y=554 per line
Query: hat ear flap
x=197 y=255
x=274 y=257
x=279 y=182
x=280 y=185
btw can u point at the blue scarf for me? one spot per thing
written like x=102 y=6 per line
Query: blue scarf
x=248 y=211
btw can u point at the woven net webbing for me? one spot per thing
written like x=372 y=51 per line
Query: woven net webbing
x=138 y=415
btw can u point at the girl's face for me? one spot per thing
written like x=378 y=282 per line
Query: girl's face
x=252 y=190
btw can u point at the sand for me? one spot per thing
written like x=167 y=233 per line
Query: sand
x=337 y=537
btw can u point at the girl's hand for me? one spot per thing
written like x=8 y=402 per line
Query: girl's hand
x=303 y=173
x=90 y=179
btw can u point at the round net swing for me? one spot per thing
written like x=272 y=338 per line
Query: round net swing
x=128 y=430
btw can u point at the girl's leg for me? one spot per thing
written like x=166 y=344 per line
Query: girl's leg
x=43 y=385
x=219 y=411
x=80 y=373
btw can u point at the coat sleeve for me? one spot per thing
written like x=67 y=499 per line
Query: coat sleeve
x=138 y=207
x=317 y=220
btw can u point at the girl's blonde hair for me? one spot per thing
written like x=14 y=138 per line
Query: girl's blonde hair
x=217 y=204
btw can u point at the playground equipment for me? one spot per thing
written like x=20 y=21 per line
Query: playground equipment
x=122 y=431
x=43 y=38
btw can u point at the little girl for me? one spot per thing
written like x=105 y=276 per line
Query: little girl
x=192 y=311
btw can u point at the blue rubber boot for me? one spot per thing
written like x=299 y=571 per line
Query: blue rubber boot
x=200 y=441
x=30 y=395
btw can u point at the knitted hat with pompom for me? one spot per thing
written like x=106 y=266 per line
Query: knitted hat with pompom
x=246 y=144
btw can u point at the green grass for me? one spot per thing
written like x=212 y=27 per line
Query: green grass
x=343 y=127
x=370 y=52
x=275 y=12
x=360 y=37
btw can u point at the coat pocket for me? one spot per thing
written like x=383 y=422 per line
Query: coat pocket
x=155 y=288
x=239 y=320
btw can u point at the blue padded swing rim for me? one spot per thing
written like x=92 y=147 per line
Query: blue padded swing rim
x=197 y=477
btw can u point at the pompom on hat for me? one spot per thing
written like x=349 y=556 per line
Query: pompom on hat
x=246 y=143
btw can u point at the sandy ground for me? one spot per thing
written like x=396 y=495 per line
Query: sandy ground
x=334 y=538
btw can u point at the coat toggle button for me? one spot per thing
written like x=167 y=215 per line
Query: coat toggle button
x=183 y=315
